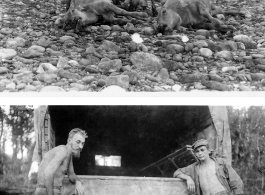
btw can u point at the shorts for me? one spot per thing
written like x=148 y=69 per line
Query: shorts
x=41 y=190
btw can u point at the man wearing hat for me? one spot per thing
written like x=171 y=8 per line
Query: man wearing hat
x=209 y=176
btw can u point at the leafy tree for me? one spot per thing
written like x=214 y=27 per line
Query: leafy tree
x=18 y=122
x=248 y=146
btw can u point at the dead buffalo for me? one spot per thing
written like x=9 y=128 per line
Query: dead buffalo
x=176 y=14
x=86 y=12
x=130 y=5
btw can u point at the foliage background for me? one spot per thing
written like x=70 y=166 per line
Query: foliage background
x=247 y=134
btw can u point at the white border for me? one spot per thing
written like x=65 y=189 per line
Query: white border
x=135 y=100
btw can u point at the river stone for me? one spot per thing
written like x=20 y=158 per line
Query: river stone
x=7 y=53
x=88 y=79
x=44 y=42
x=6 y=31
x=203 y=32
x=46 y=67
x=200 y=43
x=73 y=63
x=244 y=88
x=171 y=65
x=257 y=76
x=29 y=88
x=146 y=61
x=176 y=88
x=190 y=78
x=11 y=86
x=92 y=69
x=228 y=45
x=174 y=49
x=259 y=61
x=216 y=85
x=152 y=78
x=173 y=76
x=242 y=38
x=148 y=30
x=205 y=52
x=133 y=46
x=21 y=86
x=215 y=77
x=213 y=46
x=34 y=51
x=200 y=37
x=189 y=47
x=178 y=57
x=90 y=50
x=90 y=60
x=62 y=62
x=251 y=45
x=11 y=44
x=68 y=75
x=3 y=70
x=47 y=78
x=24 y=60
x=31 y=53
x=197 y=58
x=24 y=77
x=227 y=55
x=78 y=86
x=66 y=38
x=110 y=66
x=260 y=67
x=257 y=56
x=163 y=74
x=110 y=46
x=37 y=48
x=119 y=80
x=133 y=77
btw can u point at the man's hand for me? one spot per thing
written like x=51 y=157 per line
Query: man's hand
x=191 y=185
x=79 y=189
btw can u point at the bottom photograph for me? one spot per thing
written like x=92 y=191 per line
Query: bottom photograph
x=132 y=150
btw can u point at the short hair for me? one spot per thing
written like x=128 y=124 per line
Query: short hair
x=75 y=131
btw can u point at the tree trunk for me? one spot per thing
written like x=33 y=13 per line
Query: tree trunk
x=21 y=146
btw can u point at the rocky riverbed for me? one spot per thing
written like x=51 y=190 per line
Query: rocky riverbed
x=36 y=56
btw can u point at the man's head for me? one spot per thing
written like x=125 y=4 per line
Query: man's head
x=76 y=139
x=201 y=149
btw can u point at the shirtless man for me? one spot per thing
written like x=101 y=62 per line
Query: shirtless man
x=210 y=176
x=57 y=162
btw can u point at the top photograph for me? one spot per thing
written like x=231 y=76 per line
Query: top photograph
x=132 y=45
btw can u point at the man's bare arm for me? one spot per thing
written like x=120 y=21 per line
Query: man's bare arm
x=51 y=169
x=188 y=179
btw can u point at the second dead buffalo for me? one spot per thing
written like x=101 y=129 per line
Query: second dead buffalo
x=176 y=14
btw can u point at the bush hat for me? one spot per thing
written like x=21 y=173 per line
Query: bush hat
x=200 y=142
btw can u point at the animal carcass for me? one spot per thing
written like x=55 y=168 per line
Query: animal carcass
x=176 y=14
x=85 y=12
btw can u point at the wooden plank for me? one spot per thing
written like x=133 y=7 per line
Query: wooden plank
x=170 y=156
x=184 y=156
